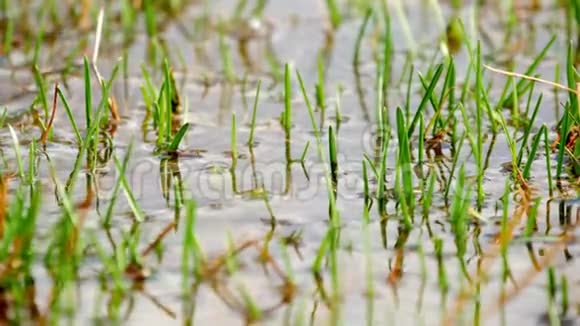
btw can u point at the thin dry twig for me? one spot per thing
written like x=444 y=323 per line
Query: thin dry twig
x=159 y=238
x=99 y=31
x=98 y=34
x=539 y=80
x=46 y=131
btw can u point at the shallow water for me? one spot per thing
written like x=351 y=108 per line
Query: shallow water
x=228 y=209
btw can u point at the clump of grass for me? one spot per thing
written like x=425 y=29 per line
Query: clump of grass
x=568 y=124
x=18 y=226
x=166 y=107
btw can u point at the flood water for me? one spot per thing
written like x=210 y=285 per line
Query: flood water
x=230 y=204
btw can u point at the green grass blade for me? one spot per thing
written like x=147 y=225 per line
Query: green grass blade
x=254 y=112
x=88 y=93
x=425 y=99
x=174 y=146
x=70 y=117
